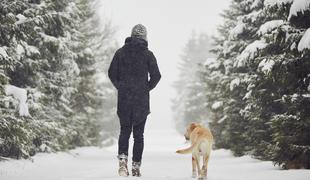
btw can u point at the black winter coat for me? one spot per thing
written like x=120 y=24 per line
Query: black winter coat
x=134 y=72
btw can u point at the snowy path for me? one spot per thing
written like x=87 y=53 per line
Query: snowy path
x=160 y=162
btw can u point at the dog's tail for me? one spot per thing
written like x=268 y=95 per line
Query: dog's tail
x=187 y=150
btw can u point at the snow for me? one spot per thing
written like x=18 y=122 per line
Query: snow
x=299 y=6
x=250 y=52
x=211 y=63
x=222 y=119
x=276 y=2
x=217 y=105
x=21 y=19
x=227 y=46
x=237 y=30
x=30 y=50
x=255 y=4
x=21 y=95
x=159 y=162
x=88 y=51
x=253 y=16
x=19 y=51
x=247 y=95
x=304 y=42
x=3 y=53
x=102 y=78
x=234 y=83
x=48 y=38
x=269 y=26
x=266 y=66
x=293 y=46
x=72 y=8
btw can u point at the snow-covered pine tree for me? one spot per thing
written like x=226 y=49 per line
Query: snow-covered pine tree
x=93 y=101
x=189 y=105
x=104 y=52
x=286 y=66
x=230 y=83
x=39 y=46
x=213 y=73
x=33 y=35
x=263 y=49
x=279 y=71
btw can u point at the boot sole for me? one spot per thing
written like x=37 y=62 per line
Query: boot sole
x=123 y=174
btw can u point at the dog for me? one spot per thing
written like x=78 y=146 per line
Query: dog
x=201 y=144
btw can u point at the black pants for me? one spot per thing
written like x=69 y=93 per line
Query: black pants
x=123 y=140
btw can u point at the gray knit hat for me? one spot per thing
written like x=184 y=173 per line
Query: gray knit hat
x=139 y=31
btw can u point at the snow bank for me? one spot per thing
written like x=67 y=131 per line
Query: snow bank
x=21 y=95
x=299 y=6
x=160 y=162
x=304 y=42
x=269 y=26
x=250 y=52
x=266 y=66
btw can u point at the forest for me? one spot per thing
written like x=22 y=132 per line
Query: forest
x=54 y=93
x=250 y=83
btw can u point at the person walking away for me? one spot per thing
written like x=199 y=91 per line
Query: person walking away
x=134 y=72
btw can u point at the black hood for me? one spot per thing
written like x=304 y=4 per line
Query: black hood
x=135 y=44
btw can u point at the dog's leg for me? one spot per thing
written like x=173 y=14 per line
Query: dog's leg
x=205 y=166
x=197 y=159
x=194 y=166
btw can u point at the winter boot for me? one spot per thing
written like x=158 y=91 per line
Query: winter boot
x=136 y=169
x=123 y=170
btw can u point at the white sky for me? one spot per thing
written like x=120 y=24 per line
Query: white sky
x=169 y=24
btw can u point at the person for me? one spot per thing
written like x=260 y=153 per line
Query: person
x=134 y=72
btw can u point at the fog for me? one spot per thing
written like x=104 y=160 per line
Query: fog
x=170 y=24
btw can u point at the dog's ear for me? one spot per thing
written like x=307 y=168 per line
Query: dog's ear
x=192 y=126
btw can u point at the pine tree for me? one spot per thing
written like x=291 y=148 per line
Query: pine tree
x=42 y=50
x=264 y=80
x=287 y=67
x=92 y=97
x=230 y=86
x=33 y=36
x=189 y=105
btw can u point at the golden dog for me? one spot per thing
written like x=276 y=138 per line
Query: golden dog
x=201 y=144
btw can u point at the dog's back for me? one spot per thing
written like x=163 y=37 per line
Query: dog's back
x=201 y=139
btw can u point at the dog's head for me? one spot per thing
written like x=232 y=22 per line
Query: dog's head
x=190 y=128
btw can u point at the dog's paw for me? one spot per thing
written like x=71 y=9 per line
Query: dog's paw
x=194 y=175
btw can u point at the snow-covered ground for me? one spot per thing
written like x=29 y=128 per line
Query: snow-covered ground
x=160 y=162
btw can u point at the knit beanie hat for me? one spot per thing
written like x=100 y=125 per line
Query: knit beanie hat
x=139 y=31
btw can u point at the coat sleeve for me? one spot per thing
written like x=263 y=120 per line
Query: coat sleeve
x=114 y=71
x=154 y=72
